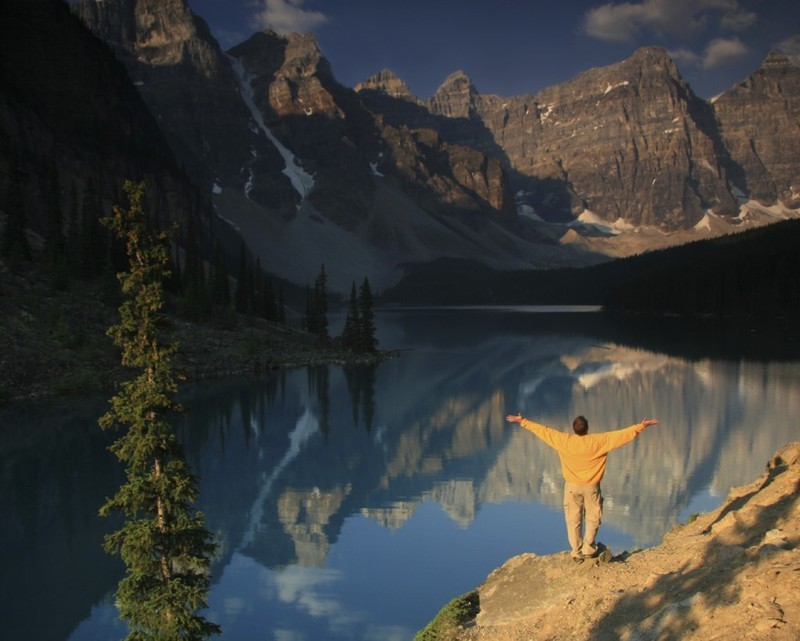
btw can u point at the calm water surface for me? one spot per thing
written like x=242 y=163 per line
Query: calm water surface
x=352 y=503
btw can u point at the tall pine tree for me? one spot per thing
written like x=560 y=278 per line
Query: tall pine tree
x=368 y=342
x=316 y=315
x=163 y=541
x=352 y=323
x=14 y=244
x=55 y=244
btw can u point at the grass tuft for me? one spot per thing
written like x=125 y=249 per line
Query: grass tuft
x=451 y=618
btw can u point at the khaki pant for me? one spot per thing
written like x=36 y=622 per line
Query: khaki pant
x=582 y=504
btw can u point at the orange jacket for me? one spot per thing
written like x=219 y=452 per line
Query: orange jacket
x=583 y=458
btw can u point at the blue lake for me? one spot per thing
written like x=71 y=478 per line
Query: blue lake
x=352 y=503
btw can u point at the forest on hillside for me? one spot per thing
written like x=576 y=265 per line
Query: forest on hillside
x=753 y=273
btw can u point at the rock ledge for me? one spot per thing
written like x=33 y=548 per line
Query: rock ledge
x=730 y=574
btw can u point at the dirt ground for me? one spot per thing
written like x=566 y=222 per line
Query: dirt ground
x=731 y=574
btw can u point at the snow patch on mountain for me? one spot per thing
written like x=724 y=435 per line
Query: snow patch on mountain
x=301 y=180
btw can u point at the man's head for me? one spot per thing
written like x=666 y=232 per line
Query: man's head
x=580 y=426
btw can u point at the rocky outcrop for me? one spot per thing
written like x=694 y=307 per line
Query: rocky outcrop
x=453 y=179
x=759 y=124
x=387 y=82
x=733 y=573
x=457 y=97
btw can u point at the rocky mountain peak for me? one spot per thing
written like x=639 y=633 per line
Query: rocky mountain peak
x=389 y=83
x=163 y=26
x=758 y=120
x=457 y=81
x=647 y=69
x=777 y=58
x=304 y=58
x=777 y=74
x=153 y=32
x=456 y=97
x=292 y=72
x=651 y=55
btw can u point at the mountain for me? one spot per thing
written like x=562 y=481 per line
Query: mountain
x=73 y=128
x=628 y=146
x=319 y=175
x=373 y=180
x=758 y=121
x=190 y=87
x=629 y=142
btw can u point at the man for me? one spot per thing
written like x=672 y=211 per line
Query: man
x=583 y=463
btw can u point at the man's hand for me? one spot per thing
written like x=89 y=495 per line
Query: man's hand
x=649 y=421
x=511 y=418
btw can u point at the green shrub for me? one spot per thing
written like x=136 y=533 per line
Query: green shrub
x=451 y=618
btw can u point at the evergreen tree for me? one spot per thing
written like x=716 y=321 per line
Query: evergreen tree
x=281 y=311
x=243 y=296
x=318 y=312
x=367 y=339
x=220 y=289
x=73 y=225
x=268 y=298
x=55 y=244
x=195 y=302
x=94 y=247
x=352 y=323
x=309 y=318
x=163 y=542
x=14 y=245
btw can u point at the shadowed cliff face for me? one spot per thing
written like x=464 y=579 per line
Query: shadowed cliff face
x=71 y=122
x=758 y=120
x=190 y=87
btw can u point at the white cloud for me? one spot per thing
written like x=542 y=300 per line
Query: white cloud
x=287 y=16
x=737 y=20
x=623 y=21
x=718 y=53
x=721 y=52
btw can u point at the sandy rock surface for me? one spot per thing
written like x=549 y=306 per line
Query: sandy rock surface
x=731 y=574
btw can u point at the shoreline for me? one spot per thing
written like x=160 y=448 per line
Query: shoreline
x=54 y=344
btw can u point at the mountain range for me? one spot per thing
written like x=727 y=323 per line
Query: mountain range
x=261 y=143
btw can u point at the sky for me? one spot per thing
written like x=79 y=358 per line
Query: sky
x=514 y=47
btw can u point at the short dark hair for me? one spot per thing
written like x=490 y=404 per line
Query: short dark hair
x=580 y=425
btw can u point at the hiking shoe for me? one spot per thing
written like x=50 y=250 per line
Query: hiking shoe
x=579 y=558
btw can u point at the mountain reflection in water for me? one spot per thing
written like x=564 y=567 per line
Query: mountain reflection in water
x=353 y=502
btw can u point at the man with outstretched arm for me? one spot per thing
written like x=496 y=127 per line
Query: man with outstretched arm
x=583 y=463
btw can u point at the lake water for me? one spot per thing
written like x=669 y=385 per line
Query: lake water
x=352 y=503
